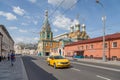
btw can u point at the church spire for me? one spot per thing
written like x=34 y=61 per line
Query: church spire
x=46 y=13
x=46 y=25
x=46 y=22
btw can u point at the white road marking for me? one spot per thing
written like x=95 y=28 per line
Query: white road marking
x=75 y=69
x=103 y=77
x=101 y=67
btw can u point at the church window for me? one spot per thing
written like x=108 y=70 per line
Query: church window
x=50 y=43
x=48 y=36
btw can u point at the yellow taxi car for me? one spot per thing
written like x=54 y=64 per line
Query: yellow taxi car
x=58 y=61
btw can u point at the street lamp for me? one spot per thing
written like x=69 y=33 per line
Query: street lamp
x=104 y=22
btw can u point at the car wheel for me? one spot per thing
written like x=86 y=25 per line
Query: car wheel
x=54 y=66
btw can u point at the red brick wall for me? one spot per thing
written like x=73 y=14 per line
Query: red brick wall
x=96 y=51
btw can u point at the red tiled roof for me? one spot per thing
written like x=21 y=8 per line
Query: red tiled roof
x=98 y=39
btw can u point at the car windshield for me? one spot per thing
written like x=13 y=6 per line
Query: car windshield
x=58 y=57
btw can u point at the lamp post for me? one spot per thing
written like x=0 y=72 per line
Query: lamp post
x=104 y=24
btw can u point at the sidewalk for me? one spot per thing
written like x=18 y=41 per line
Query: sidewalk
x=96 y=61
x=16 y=72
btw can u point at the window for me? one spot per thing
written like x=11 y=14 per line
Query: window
x=91 y=46
x=106 y=45
x=50 y=43
x=46 y=44
x=82 y=47
x=114 y=44
x=48 y=36
x=86 y=46
x=78 y=47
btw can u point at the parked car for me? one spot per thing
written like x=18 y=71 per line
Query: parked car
x=58 y=61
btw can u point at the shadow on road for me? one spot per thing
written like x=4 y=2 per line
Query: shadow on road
x=34 y=72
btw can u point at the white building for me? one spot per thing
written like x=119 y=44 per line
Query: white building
x=61 y=36
x=18 y=49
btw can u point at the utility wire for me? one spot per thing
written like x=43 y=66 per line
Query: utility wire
x=56 y=8
x=71 y=6
x=64 y=11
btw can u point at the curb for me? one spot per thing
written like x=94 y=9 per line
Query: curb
x=25 y=77
x=99 y=62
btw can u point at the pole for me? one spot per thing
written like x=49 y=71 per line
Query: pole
x=104 y=21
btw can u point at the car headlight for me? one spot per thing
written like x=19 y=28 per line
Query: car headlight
x=58 y=62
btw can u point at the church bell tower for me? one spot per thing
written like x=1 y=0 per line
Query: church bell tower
x=46 y=33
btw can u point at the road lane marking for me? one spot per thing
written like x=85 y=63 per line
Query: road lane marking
x=111 y=69
x=75 y=69
x=103 y=77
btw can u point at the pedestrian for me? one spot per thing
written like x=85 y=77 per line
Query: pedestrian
x=12 y=56
x=0 y=58
x=8 y=56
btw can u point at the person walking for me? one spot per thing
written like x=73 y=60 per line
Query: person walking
x=0 y=58
x=12 y=56
x=8 y=56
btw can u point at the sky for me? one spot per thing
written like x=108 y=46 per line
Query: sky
x=24 y=18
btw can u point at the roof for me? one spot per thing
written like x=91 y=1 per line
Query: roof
x=98 y=39
x=61 y=35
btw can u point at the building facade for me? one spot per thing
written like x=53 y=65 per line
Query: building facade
x=77 y=32
x=46 y=41
x=1 y=43
x=19 y=50
x=6 y=41
x=93 y=48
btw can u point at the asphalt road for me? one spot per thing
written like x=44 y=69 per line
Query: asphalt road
x=37 y=69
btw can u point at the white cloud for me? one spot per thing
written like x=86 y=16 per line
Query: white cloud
x=18 y=39
x=26 y=39
x=13 y=28
x=9 y=16
x=33 y=1
x=35 y=22
x=22 y=31
x=24 y=24
x=36 y=38
x=65 y=4
x=54 y=2
x=55 y=30
x=61 y=21
x=27 y=17
x=18 y=10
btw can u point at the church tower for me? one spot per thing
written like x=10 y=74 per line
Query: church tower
x=46 y=33
x=46 y=38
